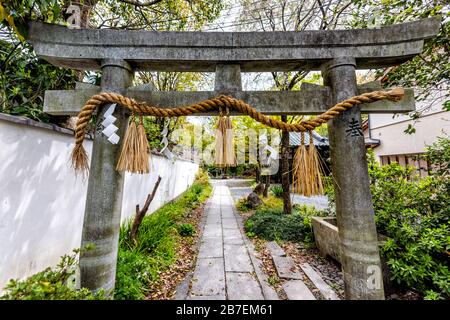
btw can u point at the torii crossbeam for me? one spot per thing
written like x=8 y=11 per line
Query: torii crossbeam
x=337 y=54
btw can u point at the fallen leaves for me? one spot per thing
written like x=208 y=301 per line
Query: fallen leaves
x=165 y=287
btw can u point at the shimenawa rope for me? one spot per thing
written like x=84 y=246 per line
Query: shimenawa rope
x=79 y=156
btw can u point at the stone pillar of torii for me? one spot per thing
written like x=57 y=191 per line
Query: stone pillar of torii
x=337 y=54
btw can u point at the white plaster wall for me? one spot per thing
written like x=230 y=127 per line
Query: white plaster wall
x=176 y=177
x=394 y=141
x=42 y=202
x=389 y=128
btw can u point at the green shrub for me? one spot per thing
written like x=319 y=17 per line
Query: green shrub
x=51 y=284
x=273 y=224
x=414 y=213
x=186 y=229
x=272 y=202
x=242 y=205
x=141 y=261
x=277 y=191
x=202 y=178
x=439 y=156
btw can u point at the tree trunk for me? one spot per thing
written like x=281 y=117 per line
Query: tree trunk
x=285 y=183
x=266 y=186
x=140 y=214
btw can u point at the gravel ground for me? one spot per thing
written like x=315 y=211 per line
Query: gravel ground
x=328 y=268
x=331 y=272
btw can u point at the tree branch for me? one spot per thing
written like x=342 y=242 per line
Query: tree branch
x=141 y=4
x=4 y=62
x=140 y=214
x=299 y=76
x=323 y=23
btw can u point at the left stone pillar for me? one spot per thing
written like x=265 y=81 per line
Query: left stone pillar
x=101 y=224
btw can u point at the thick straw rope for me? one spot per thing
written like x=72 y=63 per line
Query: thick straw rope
x=219 y=103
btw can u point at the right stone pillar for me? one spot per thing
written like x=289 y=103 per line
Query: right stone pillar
x=360 y=257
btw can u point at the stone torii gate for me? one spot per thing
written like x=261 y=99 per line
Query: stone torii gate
x=337 y=54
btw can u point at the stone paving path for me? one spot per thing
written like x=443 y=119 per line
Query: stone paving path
x=226 y=265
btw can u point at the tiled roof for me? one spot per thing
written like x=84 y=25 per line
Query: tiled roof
x=318 y=140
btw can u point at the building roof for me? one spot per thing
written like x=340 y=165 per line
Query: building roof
x=318 y=140
x=372 y=143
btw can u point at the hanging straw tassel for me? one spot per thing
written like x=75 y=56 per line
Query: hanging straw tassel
x=125 y=161
x=307 y=169
x=300 y=167
x=224 y=155
x=315 y=168
x=143 y=155
x=80 y=159
x=134 y=155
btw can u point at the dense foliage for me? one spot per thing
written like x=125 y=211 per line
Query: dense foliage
x=51 y=284
x=414 y=214
x=140 y=262
x=270 y=223
x=429 y=71
x=24 y=79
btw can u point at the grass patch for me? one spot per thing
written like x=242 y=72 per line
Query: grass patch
x=186 y=229
x=277 y=191
x=140 y=263
x=272 y=202
x=242 y=205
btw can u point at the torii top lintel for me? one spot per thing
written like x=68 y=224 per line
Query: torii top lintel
x=254 y=51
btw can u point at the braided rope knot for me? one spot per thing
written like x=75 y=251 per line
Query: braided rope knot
x=221 y=102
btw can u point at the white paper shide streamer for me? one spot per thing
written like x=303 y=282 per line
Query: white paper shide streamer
x=165 y=141
x=108 y=124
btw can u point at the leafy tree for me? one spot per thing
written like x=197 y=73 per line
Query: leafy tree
x=285 y=15
x=121 y=14
x=430 y=71
x=168 y=81
x=24 y=77
x=167 y=15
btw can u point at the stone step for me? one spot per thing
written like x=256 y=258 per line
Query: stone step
x=275 y=249
x=297 y=290
x=208 y=278
x=243 y=286
x=237 y=259
x=286 y=268
x=327 y=292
